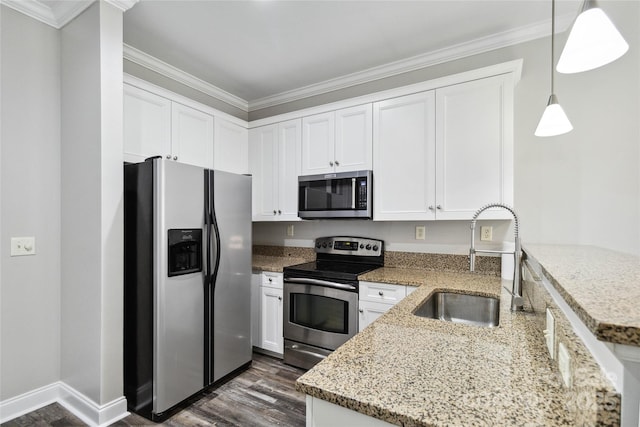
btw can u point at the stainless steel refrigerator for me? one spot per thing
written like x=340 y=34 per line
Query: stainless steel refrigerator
x=187 y=250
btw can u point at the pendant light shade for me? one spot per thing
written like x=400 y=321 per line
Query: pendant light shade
x=554 y=121
x=593 y=42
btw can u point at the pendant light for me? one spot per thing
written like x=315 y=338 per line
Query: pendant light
x=553 y=121
x=593 y=41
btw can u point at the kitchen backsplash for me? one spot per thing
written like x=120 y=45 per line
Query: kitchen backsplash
x=427 y=261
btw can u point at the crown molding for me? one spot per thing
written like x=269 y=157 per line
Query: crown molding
x=474 y=47
x=59 y=14
x=154 y=64
x=462 y=50
x=123 y=5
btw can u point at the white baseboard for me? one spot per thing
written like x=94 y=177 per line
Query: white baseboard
x=75 y=402
x=28 y=402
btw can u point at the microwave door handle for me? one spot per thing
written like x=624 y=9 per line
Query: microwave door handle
x=353 y=193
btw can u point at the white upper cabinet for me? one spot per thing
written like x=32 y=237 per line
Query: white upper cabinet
x=474 y=147
x=444 y=153
x=274 y=159
x=191 y=136
x=167 y=125
x=147 y=125
x=230 y=147
x=404 y=158
x=337 y=141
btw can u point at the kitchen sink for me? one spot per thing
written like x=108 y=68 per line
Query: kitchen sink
x=476 y=310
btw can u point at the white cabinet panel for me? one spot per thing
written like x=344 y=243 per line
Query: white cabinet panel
x=375 y=299
x=147 y=125
x=191 y=136
x=473 y=145
x=369 y=312
x=275 y=165
x=381 y=292
x=271 y=313
x=404 y=158
x=289 y=146
x=337 y=141
x=263 y=161
x=443 y=154
x=230 y=147
x=318 y=143
x=256 y=309
x=353 y=143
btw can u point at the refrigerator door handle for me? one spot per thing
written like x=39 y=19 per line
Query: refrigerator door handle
x=214 y=233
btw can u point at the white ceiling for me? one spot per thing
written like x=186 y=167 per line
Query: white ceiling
x=257 y=50
x=263 y=52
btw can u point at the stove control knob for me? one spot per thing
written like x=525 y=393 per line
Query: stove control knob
x=330 y=244
x=318 y=245
x=324 y=245
x=375 y=248
x=368 y=247
x=361 y=246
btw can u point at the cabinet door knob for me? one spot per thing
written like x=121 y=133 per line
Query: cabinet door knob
x=175 y=157
x=439 y=207
x=361 y=310
x=337 y=163
x=274 y=212
x=168 y=156
x=279 y=212
x=279 y=298
x=270 y=279
x=380 y=293
x=430 y=207
x=330 y=163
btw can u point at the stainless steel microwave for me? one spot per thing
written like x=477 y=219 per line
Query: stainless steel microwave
x=335 y=195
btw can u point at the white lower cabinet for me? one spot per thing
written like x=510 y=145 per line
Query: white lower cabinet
x=267 y=308
x=376 y=298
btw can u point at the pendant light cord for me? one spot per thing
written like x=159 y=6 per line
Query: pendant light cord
x=553 y=32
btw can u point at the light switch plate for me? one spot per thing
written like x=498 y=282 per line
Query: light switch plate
x=21 y=246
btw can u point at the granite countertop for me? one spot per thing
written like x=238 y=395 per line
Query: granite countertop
x=602 y=286
x=274 y=263
x=409 y=370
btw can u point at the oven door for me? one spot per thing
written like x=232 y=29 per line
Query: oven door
x=323 y=315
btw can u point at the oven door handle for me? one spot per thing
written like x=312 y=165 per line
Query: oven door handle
x=307 y=281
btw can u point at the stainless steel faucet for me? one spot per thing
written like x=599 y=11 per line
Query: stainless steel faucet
x=516 y=289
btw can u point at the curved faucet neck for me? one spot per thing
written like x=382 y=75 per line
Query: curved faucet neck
x=497 y=205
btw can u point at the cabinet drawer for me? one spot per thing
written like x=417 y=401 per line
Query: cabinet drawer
x=382 y=292
x=273 y=280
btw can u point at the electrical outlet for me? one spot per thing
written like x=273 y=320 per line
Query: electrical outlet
x=420 y=232
x=486 y=233
x=564 y=364
x=550 y=334
x=23 y=246
x=290 y=231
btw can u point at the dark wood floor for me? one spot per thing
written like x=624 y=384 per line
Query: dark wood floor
x=263 y=395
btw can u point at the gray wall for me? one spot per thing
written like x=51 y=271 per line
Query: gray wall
x=30 y=202
x=578 y=188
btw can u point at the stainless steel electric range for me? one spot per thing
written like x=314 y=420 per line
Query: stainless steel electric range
x=321 y=297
